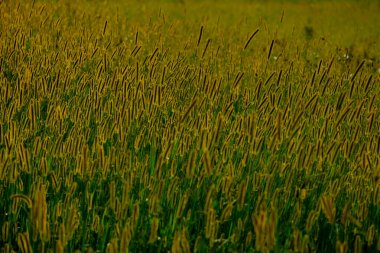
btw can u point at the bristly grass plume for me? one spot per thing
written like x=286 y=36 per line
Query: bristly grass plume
x=189 y=126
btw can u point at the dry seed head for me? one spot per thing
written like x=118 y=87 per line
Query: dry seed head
x=112 y=246
x=238 y=78
x=24 y=198
x=250 y=38
x=207 y=162
x=5 y=231
x=312 y=217
x=193 y=103
x=370 y=235
x=296 y=240
x=211 y=224
x=72 y=222
x=270 y=49
x=207 y=45
x=242 y=194
x=59 y=248
x=176 y=246
x=305 y=244
x=135 y=214
x=341 y=247
x=259 y=224
x=125 y=238
x=23 y=242
x=185 y=245
x=153 y=230
x=112 y=192
x=327 y=204
x=226 y=213
x=357 y=71
x=357 y=244
x=209 y=198
x=190 y=168
x=182 y=205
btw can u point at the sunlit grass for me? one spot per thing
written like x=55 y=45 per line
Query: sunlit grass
x=177 y=126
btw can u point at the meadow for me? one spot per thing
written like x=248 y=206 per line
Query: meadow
x=189 y=126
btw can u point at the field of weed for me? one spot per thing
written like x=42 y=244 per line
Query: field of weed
x=189 y=126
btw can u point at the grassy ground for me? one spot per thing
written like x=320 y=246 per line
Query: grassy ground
x=186 y=126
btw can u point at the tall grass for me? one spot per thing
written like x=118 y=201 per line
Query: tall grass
x=150 y=127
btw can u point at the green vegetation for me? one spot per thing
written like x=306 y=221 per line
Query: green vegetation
x=189 y=126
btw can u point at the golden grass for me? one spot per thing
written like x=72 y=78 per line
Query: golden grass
x=179 y=127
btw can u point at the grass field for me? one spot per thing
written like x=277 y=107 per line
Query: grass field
x=189 y=126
